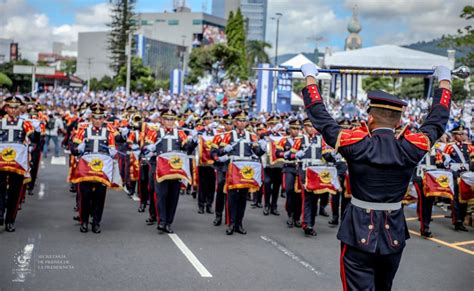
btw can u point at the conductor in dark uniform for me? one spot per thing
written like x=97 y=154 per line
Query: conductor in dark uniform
x=373 y=228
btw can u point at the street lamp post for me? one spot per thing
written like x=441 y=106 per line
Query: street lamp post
x=275 y=76
x=129 y=64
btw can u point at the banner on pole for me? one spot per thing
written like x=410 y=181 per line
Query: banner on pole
x=264 y=89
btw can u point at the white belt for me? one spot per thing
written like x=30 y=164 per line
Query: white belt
x=385 y=206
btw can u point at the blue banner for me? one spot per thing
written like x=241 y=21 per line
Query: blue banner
x=285 y=89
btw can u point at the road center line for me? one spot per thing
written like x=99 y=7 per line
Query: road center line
x=292 y=255
x=441 y=242
x=190 y=256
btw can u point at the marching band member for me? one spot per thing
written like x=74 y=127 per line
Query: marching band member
x=206 y=174
x=94 y=144
x=220 y=165
x=241 y=146
x=373 y=228
x=14 y=163
x=284 y=150
x=460 y=158
x=37 y=143
x=168 y=139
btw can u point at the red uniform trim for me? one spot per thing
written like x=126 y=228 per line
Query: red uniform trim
x=314 y=95
x=419 y=140
x=420 y=206
x=343 y=271
x=352 y=136
x=445 y=98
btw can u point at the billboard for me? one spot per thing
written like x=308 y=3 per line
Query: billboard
x=13 y=51
x=212 y=35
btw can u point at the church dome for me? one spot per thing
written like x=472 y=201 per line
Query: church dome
x=354 y=26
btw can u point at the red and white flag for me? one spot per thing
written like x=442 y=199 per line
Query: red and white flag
x=273 y=142
x=466 y=187
x=204 y=150
x=322 y=179
x=14 y=158
x=173 y=166
x=96 y=168
x=244 y=175
x=438 y=183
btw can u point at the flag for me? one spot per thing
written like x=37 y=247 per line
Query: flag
x=244 y=175
x=94 y=168
x=204 y=150
x=273 y=142
x=264 y=89
x=14 y=158
x=466 y=187
x=176 y=82
x=438 y=183
x=322 y=179
x=411 y=195
x=172 y=166
x=134 y=166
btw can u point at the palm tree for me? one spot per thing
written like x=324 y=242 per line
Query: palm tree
x=256 y=52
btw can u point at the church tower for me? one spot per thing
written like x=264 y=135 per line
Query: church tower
x=353 y=41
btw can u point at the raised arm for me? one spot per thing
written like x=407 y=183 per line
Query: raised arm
x=315 y=108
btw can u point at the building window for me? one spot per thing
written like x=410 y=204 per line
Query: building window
x=173 y=22
x=159 y=20
x=197 y=21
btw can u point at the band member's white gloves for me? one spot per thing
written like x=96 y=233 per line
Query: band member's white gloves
x=150 y=147
x=287 y=155
x=195 y=139
x=309 y=70
x=299 y=154
x=263 y=145
x=112 y=151
x=81 y=147
x=228 y=148
x=277 y=127
x=124 y=131
x=442 y=73
x=223 y=159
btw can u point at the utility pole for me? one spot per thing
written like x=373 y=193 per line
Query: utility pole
x=33 y=79
x=128 y=51
x=89 y=74
x=275 y=74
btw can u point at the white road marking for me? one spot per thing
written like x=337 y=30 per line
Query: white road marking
x=42 y=164
x=58 y=160
x=41 y=192
x=292 y=255
x=190 y=256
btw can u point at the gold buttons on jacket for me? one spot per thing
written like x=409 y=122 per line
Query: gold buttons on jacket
x=395 y=242
x=367 y=210
x=371 y=226
x=363 y=240
x=387 y=226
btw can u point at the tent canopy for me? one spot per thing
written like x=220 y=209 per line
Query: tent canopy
x=298 y=61
x=386 y=57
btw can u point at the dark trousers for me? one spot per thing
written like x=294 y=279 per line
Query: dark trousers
x=206 y=186
x=310 y=207
x=367 y=271
x=459 y=210
x=424 y=206
x=339 y=199
x=293 y=199
x=272 y=183
x=220 y=195
x=92 y=200
x=10 y=197
x=35 y=161
x=167 y=196
x=236 y=203
x=152 y=189
x=143 y=189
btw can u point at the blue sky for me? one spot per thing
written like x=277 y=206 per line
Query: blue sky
x=36 y=23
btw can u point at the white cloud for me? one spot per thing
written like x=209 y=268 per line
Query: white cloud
x=423 y=19
x=34 y=33
x=301 y=21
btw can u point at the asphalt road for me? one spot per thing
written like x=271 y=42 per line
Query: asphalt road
x=47 y=252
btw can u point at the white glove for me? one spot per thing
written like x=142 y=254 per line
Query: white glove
x=309 y=69
x=81 y=147
x=151 y=147
x=36 y=125
x=299 y=154
x=124 y=131
x=263 y=144
x=135 y=147
x=30 y=148
x=442 y=73
x=194 y=132
x=195 y=139
x=277 y=127
x=228 y=148
x=287 y=155
x=223 y=159
x=112 y=152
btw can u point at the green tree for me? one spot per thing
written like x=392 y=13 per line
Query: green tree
x=69 y=66
x=106 y=83
x=464 y=40
x=256 y=52
x=459 y=93
x=122 y=24
x=5 y=81
x=235 y=32
x=20 y=83
x=411 y=88
x=377 y=83
x=141 y=78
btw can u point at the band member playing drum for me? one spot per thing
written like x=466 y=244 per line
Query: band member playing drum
x=244 y=171
x=172 y=168
x=95 y=145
